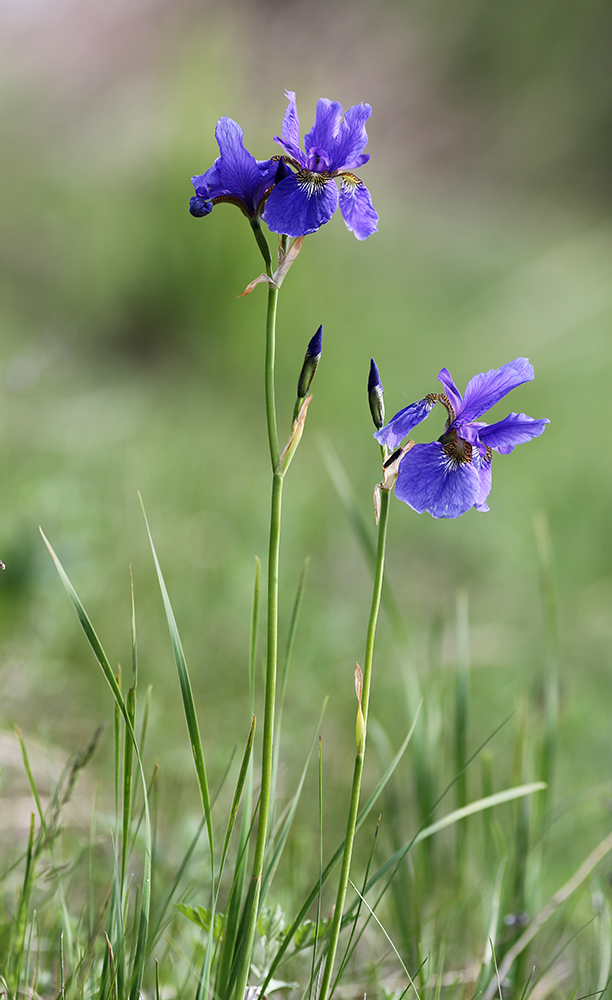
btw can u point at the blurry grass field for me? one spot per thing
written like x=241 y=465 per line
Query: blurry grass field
x=129 y=364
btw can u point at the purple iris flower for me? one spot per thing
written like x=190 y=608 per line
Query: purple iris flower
x=452 y=474
x=235 y=176
x=305 y=200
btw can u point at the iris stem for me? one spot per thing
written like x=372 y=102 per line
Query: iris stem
x=359 y=759
x=272 y=652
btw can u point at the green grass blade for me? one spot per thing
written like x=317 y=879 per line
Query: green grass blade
x=20 y=923
x=396 y=952
x=312 y=895
x=246 y=759
x=188 y=701
x=454 y=817
x=101 y=657
x=126 y=798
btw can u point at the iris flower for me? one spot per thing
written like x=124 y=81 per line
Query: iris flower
x=305 y=200
x=235 y=176
x=448 y=476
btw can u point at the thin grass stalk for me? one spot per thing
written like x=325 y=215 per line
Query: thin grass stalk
x=359 y=759
x=117 y=752
x=62 y=981
x=126 y=798
x=18 y=930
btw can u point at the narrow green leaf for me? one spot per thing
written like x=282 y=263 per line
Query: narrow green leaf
x=188 y=700
x=453 y=817
x=246 y=758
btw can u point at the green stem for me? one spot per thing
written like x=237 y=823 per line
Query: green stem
x=359 y=759
x=269 y=375
x=272 y=654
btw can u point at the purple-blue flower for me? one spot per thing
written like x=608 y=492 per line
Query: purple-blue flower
x=305 y=200
x=452 y=474
x=235 y=176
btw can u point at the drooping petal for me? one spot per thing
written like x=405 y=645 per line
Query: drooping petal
x=356 y=207
x=429 y=480
x=352 y=139
x=451 y=390
x=322 y=136
x=301 y=205
x=484 y=471
x=402 y=423
x=290 y=138
x=487 y=388
x=516 y=428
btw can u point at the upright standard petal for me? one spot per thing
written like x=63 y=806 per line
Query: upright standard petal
x=451 y=390
x=487 y=388
x=322 y=137
x=399 y=427
x=429 y=480
x=300 y=204
x=290 y=138
x=356 y=207
x=516 y=428
x=352 y=139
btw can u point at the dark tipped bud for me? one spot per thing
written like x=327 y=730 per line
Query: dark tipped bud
x=200 y=206
x=375 y=396
x=311 y=363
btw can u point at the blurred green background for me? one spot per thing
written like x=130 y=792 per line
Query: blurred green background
x=128 y=363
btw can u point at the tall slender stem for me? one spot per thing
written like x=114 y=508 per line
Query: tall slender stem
x=269 y=375
x=272 y=653
x=359 y=759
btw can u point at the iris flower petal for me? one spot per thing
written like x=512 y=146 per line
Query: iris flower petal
x=484 y=470
x=451 y=390
x=516 y=428
x=356 y=207
x=402 y=423
x=487 y=388
x=429 y=480
x=297 y=208
x=290 y=137
x=352 y=139
x=322 y=135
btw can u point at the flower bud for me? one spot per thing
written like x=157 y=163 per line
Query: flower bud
x=311 y=362
x=375 y=396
